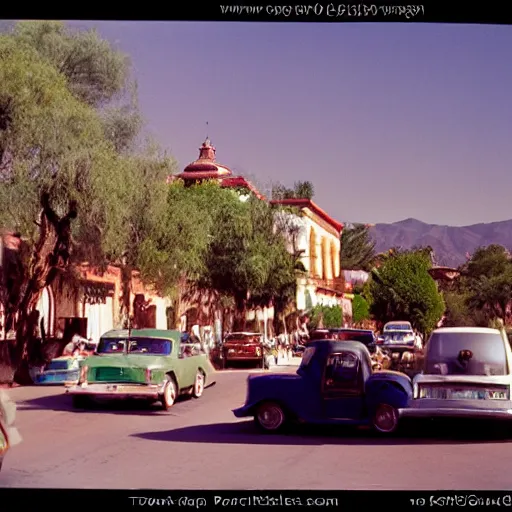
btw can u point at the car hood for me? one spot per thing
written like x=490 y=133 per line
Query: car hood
x=126 y=361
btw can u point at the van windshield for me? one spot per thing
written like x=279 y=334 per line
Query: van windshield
x=487 y=355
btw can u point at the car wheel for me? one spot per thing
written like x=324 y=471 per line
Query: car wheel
x=386 y=419
x=198 y=389
x=270 y=417
x=80 y=402
x=169 y=395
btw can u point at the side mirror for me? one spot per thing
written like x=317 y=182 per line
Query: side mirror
x=4 y=440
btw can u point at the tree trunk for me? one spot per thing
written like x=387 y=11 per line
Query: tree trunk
x=240 y=320
x=50 y=254
x=126 y=293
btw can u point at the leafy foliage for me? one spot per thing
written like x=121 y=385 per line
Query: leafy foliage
x=360 y=309
x=300 y=190
x=57 y=162
x=488 y=282
x=357 y=248
x=326 y=317
x=402 y=289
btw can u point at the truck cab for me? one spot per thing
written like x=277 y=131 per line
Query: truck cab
x=335 y=384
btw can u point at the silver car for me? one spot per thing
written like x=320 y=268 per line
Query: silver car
x=467 y=373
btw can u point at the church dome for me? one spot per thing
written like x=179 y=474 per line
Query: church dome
x=206 y=164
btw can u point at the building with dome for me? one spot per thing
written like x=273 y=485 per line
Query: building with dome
x=316 y=237
x=207 y=168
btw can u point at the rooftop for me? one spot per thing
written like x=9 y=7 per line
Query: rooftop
x=309 y=204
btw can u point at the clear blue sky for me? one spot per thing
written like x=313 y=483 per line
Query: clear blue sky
x=389 y=121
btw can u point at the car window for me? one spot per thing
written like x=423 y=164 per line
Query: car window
x=307 y=356
x=342 y=372
x=469 y=353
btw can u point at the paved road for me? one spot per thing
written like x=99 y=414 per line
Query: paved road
x=200 y=445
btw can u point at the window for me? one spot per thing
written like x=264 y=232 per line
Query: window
x=307 y=356
x=487 y=354
x=342 y=373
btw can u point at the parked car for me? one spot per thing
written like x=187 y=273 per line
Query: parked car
x=245 y=347
x=467 y=373
x=335 y=384
x=9 y=435
x=147 y=364
x=403 y=346
x=61 y=370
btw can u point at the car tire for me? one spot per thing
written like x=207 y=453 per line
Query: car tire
x=199 y=383
x=81 y=402
x=385 y=420
x=270 y=417
x=170 y=394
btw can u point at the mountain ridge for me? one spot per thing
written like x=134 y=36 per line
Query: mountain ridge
x=451 y=244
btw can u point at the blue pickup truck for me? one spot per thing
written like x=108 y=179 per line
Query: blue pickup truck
x=335 y=384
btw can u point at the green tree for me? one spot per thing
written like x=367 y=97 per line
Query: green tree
x=458 y=312
x=247 y=258
x=488 y=282
x=97 y=74
x=326 y=317
x=173 y=255
x=300 y=190
x=402 y=289
x=360 y=309
x=357 y=248
x=66 y=187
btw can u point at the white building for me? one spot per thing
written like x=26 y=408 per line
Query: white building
x=316 y=236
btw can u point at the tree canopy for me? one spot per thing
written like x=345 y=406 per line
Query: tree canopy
x=300 y=190
x=360 y=309
x=72 y=191
x=402 y=289
x=357 y=248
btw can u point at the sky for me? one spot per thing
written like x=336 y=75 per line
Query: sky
x=388 y=121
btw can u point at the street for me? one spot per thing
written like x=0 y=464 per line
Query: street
x=200 y=445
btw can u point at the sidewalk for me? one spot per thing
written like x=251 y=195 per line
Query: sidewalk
x=283 y=362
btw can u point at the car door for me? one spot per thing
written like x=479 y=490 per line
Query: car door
x=187 y=365
x=343 y=387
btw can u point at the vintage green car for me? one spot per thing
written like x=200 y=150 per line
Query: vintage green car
x=145 y=364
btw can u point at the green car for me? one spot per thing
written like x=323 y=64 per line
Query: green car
x=145 y=364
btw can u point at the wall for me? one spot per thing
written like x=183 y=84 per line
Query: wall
x=319 y=242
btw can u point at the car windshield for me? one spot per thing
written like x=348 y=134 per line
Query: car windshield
x=366 y=338
x=149 y=346
x=247 y=338
x=466 y=353
x=398 y=327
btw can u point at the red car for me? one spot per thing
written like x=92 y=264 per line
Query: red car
x=244 y=347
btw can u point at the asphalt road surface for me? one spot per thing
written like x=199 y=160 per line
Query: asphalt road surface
x=199 y=444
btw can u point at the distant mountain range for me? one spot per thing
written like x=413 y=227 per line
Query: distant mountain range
x=450 y=243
